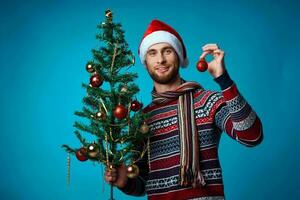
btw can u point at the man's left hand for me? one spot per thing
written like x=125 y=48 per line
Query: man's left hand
x=216 y=67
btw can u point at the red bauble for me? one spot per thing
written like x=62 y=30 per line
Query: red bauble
x=96 y=80
x=81 y=154
x=120 y=111
x=202 y=65
x=135 y=105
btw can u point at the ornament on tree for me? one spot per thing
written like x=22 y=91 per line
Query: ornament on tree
x=132 y=59
x=202 y=65
x=100 y=115
x=81 y=154
x=89 y=67
x=120 y=111
x=96 y=80
x=133 y=171
x=93 y=150
x=135 y=105
x=109 y=14
x=124 y=89
x=144 y=128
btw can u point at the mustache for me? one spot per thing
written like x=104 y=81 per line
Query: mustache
x=160 y=65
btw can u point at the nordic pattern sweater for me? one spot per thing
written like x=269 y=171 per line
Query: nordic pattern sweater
x=215 y=113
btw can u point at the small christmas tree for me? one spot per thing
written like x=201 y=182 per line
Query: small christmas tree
x=115 y=116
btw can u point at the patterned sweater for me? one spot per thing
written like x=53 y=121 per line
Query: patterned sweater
x=215 y=113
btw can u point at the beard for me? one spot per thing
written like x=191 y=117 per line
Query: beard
x=166 y=78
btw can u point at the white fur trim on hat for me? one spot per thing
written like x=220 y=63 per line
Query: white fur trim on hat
x=159 y=37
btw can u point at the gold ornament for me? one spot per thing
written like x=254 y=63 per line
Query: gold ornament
x=109 y=14
x=124 y=89
x=89 y=67
x=144 y=128
x=132 y=171
x=93 y=150
x=100 y=115
x=132 y=59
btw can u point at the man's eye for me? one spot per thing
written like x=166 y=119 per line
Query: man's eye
x=151 y=53
x=168 y=51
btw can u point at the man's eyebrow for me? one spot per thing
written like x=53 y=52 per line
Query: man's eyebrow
x=151 y=50
x=162 y=49
x=168 y=47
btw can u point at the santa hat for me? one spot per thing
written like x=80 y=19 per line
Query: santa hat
x=158 y=32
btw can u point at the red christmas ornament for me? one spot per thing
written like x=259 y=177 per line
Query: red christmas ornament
x=120 y=111
x=202 y=65
x=135 y=105
x=96 y=80
x=81 y=154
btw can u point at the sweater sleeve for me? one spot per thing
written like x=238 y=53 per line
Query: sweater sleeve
x=233 y=114
x=136 y=186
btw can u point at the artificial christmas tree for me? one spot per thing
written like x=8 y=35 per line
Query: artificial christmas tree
x=114 y=114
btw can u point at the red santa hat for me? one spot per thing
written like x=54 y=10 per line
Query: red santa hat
x=158 y=32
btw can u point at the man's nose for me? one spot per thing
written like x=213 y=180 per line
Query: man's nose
x=160 y=58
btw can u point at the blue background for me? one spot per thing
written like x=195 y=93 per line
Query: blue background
x=46 y=44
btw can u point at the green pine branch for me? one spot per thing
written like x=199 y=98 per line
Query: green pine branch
x=68 y=149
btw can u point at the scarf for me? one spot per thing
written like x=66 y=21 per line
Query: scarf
x=189 y=173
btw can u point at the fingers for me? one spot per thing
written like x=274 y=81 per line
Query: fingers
x=218 y=52
x=204 y=53
x=110 y=175
x=212 y=49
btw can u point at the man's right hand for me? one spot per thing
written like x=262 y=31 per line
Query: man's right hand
x=116 y=176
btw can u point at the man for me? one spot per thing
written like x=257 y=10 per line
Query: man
x=186 y=122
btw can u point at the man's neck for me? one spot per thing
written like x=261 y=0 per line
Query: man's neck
x=167 y=87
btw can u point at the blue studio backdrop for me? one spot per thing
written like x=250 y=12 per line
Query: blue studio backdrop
x=44 y=48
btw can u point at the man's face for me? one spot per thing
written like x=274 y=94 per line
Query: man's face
x=162 y=63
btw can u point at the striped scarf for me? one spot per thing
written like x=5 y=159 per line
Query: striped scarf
x=189 y=173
